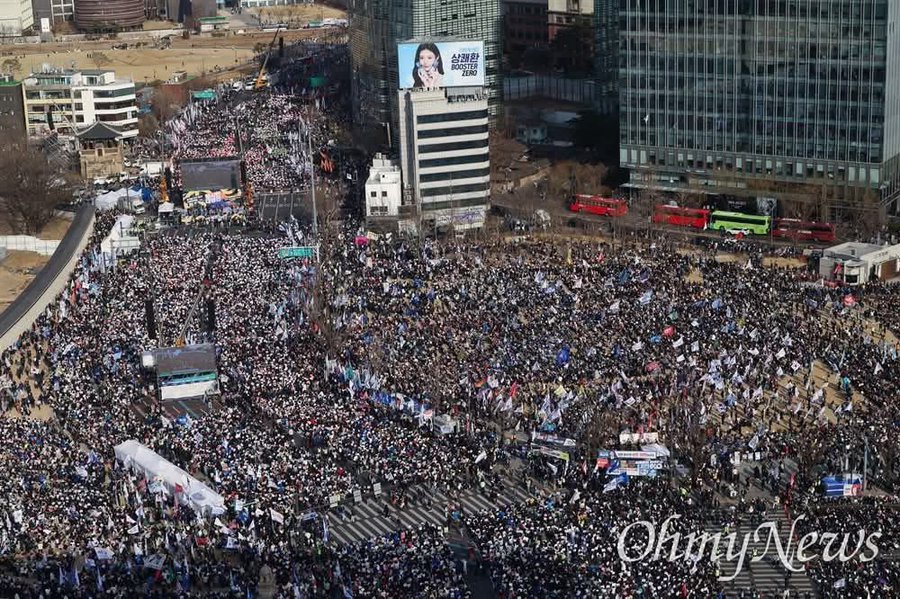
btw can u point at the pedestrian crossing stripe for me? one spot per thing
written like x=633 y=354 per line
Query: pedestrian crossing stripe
x=369 y=520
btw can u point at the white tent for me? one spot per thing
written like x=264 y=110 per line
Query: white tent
x=110 y=199
x=145 y=461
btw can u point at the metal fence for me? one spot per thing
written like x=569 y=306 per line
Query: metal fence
x=27 y=243
x=579 y=91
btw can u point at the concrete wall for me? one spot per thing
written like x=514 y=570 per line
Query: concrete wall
x=50 y=282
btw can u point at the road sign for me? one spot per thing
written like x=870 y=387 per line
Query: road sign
x=306 y=251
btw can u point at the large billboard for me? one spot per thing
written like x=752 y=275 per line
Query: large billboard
x=433 y=65
x=210 y=175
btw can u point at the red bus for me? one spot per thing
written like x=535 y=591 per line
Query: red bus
x=598 y=205
x=792 y=228
x=681 y=217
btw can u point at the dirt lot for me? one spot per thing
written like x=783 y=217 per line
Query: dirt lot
x=301 y=13
x=16 y=272
x=144 y=64
x=783 y=262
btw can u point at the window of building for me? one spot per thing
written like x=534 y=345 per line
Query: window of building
x=374 y=194
x=454 y=189
x=452 y=116
x=454 y=160
x=451 y=131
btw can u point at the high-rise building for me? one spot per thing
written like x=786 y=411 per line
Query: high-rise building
x=524 y=28
x=796 y=100
x=444 y=155
x=606 y=54
x=377 y=26
x=16 y=17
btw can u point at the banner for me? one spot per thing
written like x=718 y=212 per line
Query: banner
x=842 y=486
x=635 y=438
x=554 y=439
x=436 y=65
x=553 y=453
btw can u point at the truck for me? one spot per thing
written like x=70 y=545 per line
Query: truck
x=152 y=169
x=132 y=205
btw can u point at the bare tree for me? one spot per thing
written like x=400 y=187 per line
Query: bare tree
x=31 y=187
x=148 y=126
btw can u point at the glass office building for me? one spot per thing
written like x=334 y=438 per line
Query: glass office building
x=376 y=26
x=773 y=98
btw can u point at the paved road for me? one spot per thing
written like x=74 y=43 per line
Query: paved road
x=367 y=519
x=766 y=576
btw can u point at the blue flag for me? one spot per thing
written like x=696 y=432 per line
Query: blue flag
x=563 y=356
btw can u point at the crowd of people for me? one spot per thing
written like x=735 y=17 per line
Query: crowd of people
x=270 y=130
x=497 y=335
x=335 y=373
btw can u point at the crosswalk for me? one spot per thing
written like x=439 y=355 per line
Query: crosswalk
x=767 y=576
x=366 y=519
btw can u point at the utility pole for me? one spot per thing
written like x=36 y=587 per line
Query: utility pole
x=312 y=187
x=865 y=465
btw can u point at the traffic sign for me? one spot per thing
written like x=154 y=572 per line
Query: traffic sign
x=306 y=251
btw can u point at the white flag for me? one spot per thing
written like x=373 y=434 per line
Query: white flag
x=678 y=343
x=781 y=353
x=481 y=456
x=276 y=517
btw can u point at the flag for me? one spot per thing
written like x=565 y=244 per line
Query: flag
x=669 y=331
x=155 y=562
x=616 y=482
x=563 y=356
x=481 y=456
x=678 y=343
x=840 y=583
x=646 y=297
x=878 y=367
x=325 y=529
x=276 y=517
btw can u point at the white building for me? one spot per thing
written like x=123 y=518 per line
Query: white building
x=78 y=99
x=384 y=192
x=855 y=263
x=444 y=155
x=16 y=16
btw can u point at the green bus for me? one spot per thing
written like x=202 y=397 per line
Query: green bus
x=734 y=222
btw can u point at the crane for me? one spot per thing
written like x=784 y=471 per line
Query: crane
x=262 y=70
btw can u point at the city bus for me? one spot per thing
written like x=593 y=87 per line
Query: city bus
x=681 y=217
x=598 y=205
x=792 y=228
x=738 y=222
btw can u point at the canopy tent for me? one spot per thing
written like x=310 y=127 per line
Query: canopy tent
x=120 y=240
x=142 y=459
x=110 y=199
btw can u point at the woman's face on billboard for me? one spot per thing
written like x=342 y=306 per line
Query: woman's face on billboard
x=426 y=59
